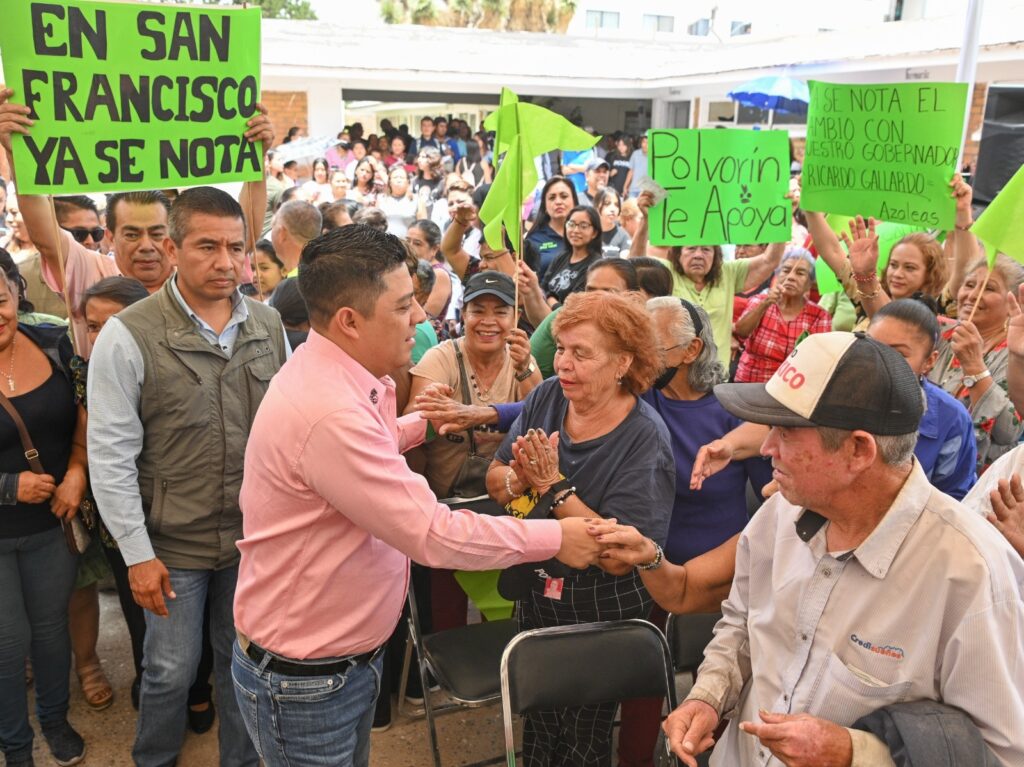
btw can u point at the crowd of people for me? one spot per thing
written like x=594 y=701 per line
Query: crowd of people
x=255 y=405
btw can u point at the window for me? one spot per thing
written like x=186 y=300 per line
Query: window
x=740 y=28
x=602 y=20
x=700 y=28
x=654 y=23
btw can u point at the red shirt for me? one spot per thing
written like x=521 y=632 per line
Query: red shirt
x=774 y=338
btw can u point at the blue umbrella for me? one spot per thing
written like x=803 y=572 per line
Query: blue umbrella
x=776 y=94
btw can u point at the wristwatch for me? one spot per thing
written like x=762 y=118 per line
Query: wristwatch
x=971 y=381
x=526 y=373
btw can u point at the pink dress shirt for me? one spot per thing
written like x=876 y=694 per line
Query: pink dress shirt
x=332 y=513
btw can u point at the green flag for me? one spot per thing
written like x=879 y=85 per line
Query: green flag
x=999 y=227
x=504 y=129
x=539 y=131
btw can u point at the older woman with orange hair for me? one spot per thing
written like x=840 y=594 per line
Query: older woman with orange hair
x=586 y=445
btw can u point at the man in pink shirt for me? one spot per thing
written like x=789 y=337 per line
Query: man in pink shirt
x=332 y=513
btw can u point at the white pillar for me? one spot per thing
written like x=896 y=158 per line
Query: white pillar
x=659 y=113
x=326 y=108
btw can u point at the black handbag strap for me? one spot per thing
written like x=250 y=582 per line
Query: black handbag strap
x=466 y=398
x=31 y=454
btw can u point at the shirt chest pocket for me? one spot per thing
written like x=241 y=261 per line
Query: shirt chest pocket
x=844 y=692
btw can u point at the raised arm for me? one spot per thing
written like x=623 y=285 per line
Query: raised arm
x=531 y=295
x=760 y=268
x=826 y=242
x=862 y=243
x=753 y=315
x=639 y=247
x=253 y=197
x=35 y=209
x=961 y=247
x=451 y=242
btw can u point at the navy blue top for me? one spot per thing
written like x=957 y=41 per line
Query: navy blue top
x=703 y=519
x=946 y=448
x=545 y=245
x=626 y=474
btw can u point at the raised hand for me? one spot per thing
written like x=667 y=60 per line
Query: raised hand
x=1015 y=325
x=862 y=243
x=14 y=118
x=260 y=128
x=967 y=345
x=963 y=194
x=711 y=459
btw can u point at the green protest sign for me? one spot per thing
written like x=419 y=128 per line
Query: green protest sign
x=724 y=186
x=887 y=151
x=129 y=96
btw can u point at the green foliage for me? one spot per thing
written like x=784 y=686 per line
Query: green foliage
x=271 y=9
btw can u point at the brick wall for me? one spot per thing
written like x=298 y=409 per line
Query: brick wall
x=975 y=122
x=287 y=108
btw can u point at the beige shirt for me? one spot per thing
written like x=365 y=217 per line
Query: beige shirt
x=445 y=454
x=928 y=607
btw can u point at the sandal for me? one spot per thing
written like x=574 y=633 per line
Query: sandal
x=95 y=687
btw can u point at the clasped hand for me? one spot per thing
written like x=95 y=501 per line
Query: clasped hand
x=535 y=459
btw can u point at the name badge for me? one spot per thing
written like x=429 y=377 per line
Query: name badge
x=553 y=588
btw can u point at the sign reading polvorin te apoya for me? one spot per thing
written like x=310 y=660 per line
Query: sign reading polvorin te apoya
x=131 y=96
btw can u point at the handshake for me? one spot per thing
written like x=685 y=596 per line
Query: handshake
x=603 y=542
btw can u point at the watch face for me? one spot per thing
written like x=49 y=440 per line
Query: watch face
x=969 y=381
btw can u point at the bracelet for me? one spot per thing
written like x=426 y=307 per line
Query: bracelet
x=861 y=294
x=866 y=278
x=508 y=484
x=659 y=555
x=563 y=497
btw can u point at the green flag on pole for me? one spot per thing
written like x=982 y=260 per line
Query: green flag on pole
x=527 y=131
x=505 y=128
x=999 y=227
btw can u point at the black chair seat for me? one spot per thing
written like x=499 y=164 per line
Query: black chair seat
x=688 y=635
x=467 y=661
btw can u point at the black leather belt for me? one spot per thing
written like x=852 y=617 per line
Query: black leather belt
x=296 y=668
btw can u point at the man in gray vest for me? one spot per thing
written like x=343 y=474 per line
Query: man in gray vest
x=174 y=384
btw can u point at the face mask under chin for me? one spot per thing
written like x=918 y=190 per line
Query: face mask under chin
x=665 y=378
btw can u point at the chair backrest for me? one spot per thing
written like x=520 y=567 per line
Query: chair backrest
x=688 y=635
x=588 y=663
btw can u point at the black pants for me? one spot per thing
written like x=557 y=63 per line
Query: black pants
x=201 y=690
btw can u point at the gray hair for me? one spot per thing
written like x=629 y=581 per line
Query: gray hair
x=801 y=254
x=425 y=274
x=706 y=371
x=895 y=449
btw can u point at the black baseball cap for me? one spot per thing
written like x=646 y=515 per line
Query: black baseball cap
x=839 y=380
x=490 y=283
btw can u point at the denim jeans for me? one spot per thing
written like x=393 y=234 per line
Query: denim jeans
x=171 y=653
x=37 y=575
x=307 y=721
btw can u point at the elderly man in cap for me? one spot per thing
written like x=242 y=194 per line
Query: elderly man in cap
x=857 y=586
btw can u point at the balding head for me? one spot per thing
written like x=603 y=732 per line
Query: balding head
x=295 y=223
x=301 y=219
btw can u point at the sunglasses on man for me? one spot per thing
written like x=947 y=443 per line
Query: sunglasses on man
x=81 y=234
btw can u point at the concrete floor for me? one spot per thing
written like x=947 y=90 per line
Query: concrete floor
x=468 y=738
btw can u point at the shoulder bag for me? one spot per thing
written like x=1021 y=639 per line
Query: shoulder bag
x=76 y=535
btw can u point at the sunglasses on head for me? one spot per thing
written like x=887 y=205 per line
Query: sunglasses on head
x=81 y=234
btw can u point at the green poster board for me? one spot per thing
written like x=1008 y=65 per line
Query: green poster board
x=888 y=151
x=724 y=186
x=132 y=96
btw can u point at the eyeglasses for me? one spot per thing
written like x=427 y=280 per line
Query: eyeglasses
x=493 y=256
x=582 y=225
x=81 y=234
x=667 y=349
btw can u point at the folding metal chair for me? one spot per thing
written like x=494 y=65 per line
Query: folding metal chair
x=465 y=661
x=687 y=636
x=585 y=664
